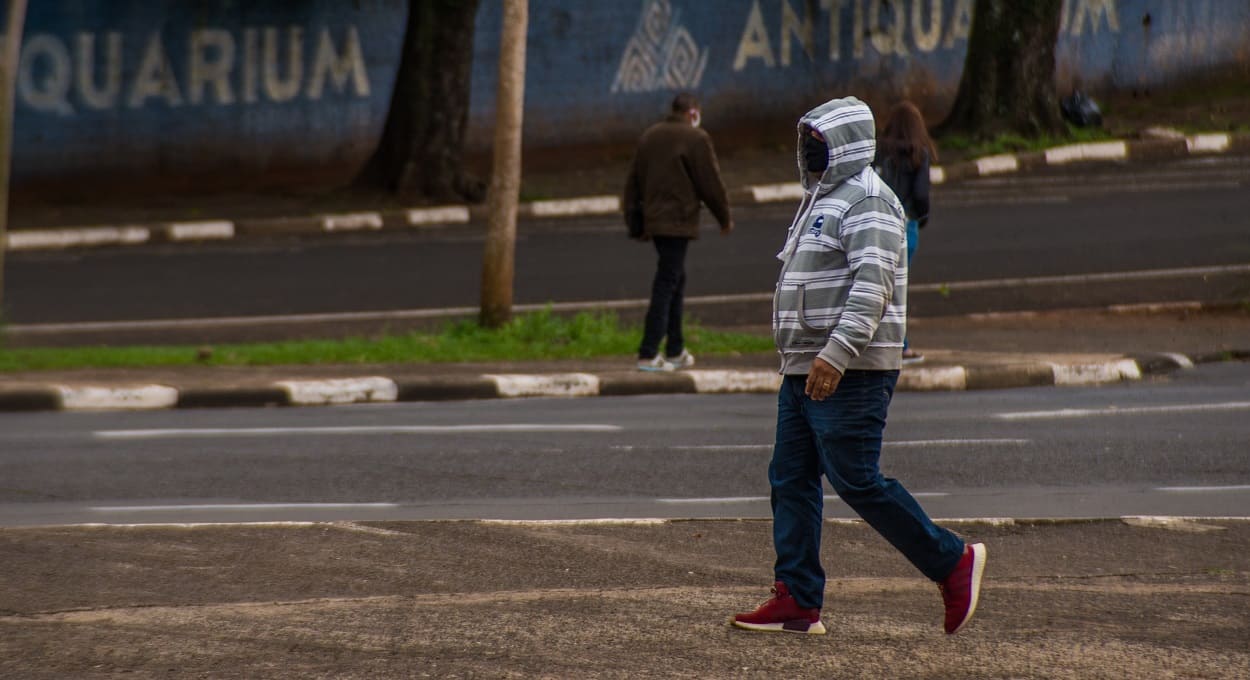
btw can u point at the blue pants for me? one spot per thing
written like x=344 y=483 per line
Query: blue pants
x=840 y=438
x=667 y=292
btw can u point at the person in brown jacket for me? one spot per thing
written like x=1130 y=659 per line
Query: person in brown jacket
x=673 y=174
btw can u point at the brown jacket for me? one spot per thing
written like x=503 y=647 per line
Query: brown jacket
x=674 y=170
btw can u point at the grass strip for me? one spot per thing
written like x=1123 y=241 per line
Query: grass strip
x=536 y=336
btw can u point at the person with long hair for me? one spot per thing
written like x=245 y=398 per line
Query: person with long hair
x=904 y=153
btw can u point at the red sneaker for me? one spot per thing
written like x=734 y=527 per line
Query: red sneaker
x=782 y=614
x=961 y=589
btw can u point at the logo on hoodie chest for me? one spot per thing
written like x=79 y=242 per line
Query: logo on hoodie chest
x=817 y=224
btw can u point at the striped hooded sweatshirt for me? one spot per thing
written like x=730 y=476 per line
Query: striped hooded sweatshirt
x=842 y=293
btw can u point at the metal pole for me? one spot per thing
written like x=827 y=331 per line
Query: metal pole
x=8 y=77
x=505 y=185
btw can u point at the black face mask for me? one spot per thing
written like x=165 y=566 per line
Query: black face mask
x=815 y=154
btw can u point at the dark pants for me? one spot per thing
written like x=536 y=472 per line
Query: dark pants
x=664 y=314
x=840 y=438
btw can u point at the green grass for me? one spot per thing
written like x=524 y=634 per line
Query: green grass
x=1007 y=143
x=541 y=335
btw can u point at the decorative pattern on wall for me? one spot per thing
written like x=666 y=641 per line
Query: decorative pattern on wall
x=661 y=54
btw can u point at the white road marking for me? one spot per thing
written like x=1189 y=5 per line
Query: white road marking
x=927 y=443
x=182 y=433
x=1118 y=411
x=909 y=443
x=764 y=499
x=210 y=507
x=1080 y=279
x=1203 y=489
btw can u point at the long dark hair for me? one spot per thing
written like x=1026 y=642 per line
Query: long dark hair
x=905 y=136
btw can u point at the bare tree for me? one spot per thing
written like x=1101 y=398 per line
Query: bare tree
x=1008 y=82
x=16 y=20
x=420 y=155
x=505 y=184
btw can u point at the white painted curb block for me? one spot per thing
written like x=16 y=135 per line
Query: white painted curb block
x=993 y=165
x=1212 y=143
x=769 y=193
x=555 y=385
x=448 y=214
x=340 y=391
x=68 y=238
x=1087 y=152
x=1094 y=374
x=728 y=382
x=200 y=231
x=590 y=205
x=352 y=222
x=1180 y=359
x=934 y=379
x=142 y=397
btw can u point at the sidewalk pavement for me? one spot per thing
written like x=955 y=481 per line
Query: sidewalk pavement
x=1075 y=347
x=1115 y=598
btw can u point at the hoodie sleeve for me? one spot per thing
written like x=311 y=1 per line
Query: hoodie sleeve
x=871 y=234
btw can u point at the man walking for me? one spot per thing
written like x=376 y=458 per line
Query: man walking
x=674 y=172
x=839 y=318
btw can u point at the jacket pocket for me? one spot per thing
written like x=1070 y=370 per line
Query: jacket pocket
x=801 y=303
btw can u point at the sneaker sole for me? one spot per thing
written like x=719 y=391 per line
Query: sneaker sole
x=978 y=570
x=817 y=628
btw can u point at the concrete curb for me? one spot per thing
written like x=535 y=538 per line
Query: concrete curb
x=380 y=389
x=1174 y=145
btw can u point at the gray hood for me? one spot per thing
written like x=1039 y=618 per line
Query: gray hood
x=851 y=134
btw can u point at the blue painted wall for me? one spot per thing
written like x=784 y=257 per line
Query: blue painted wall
x=282 y=92
x=149 y=87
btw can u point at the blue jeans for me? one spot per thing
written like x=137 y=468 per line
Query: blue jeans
x=840 y=438
x=667 y=292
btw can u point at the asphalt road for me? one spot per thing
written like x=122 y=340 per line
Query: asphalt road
x=1096 y=221
x=1174 y=446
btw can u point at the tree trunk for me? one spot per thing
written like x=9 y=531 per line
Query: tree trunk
x=505 y=184
x=15 y=22
x=420 y=153
x=1008 y=82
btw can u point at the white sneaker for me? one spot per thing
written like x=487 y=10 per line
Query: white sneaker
x=683 y=360
x=656 y=364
